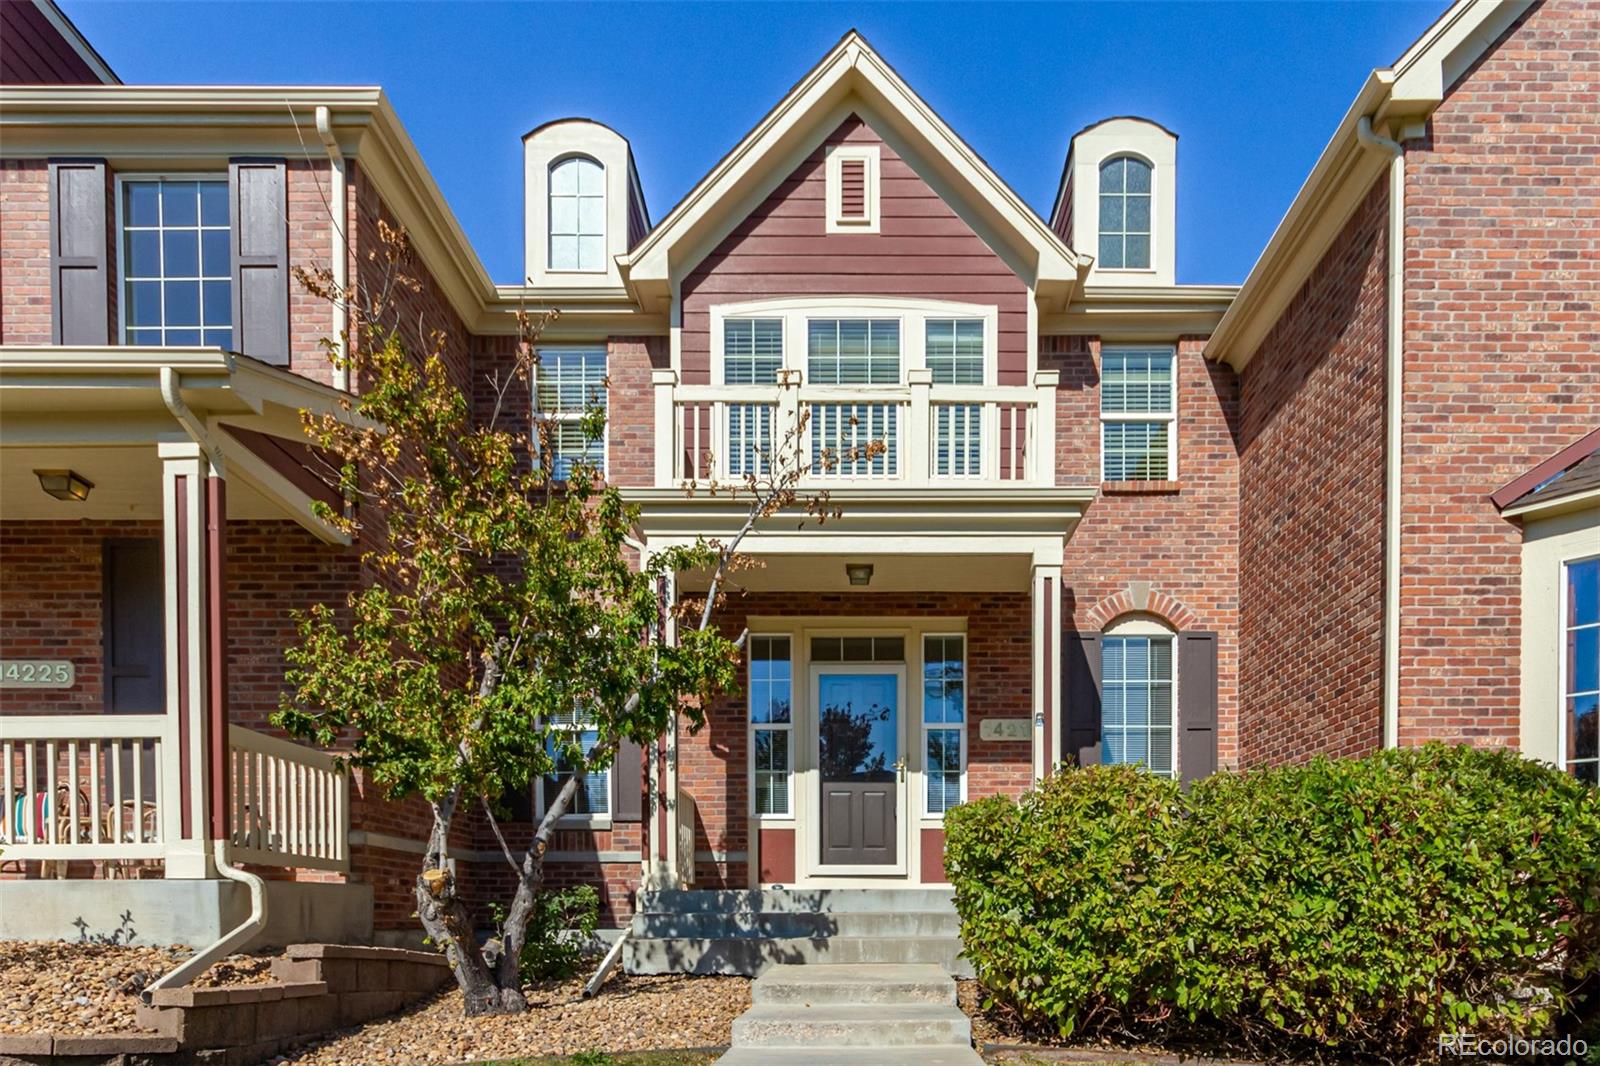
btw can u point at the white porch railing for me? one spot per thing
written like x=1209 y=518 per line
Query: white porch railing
x=110 y=787
x=930 y=435
x=290 y=804
x=87 y=787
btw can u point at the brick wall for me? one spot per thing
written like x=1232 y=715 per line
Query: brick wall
x=1503 y=282
x=1311 y=512
x=24 y=251
x=1179 y=537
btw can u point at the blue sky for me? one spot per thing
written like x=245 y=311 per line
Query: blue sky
x=1253 y=90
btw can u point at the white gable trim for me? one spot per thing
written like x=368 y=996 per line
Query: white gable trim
x=789 y=132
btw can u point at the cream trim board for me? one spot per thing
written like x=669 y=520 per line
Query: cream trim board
x=913 y=315
x=1548 y=545
x=834 y=158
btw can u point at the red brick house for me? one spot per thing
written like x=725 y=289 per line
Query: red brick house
x=1104 y=505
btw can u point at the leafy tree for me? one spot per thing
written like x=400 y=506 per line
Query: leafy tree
x=504 y=605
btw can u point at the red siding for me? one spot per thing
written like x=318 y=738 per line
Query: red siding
x=924 y=249
x=33 y=52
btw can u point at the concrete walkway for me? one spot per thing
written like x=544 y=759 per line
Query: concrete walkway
x=853 y=1015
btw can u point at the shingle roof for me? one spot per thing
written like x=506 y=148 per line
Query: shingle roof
x=1580 y=477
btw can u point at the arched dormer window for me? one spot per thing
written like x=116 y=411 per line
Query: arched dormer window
x=577 y=214
x=1125 y=214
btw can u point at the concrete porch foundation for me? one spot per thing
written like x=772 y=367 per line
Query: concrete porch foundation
x=190 y=912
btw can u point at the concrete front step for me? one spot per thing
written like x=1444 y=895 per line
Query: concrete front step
x=752 y=956
x=840 y=1056
x=707 y=925
x=876 y=1025
x=823 y=984
x=794 y=900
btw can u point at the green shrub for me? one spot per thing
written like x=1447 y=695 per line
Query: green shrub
x=1364 y=904
x=560 y=932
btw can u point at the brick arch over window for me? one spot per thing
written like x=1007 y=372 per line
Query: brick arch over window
x=1168 y=608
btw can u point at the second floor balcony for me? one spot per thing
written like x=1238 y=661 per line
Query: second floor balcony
x=916 y=435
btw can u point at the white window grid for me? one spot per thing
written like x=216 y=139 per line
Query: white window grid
x=1139 y=414
x=567 y=382
x=1138 y=705
x=944 y=722
x=173 y=255
x=771 y=729
x=1578 y=633
x=752 y=351
x=592 y=800
x=577 y=215
x=1126 y=201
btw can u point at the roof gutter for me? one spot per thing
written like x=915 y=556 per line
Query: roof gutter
x=1394 y=399
x=340 y=252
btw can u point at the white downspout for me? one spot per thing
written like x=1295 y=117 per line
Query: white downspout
x=234 y=939
x=337 y=190
x=1394 y=402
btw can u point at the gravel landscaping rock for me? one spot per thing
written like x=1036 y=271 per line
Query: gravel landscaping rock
x=92 y=989
x=629 y=1014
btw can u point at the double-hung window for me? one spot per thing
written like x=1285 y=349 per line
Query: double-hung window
x=176 y=266
x=572 y=735
x=752 y=354
x=944 y=716
x=954 y=353
x=1138 y=414
x=569 y=383
x=771 y=725
x=854 y=351
x=1137 y=723
x=1580 y=676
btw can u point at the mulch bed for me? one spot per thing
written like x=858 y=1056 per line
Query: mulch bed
x=628 y=1014
x=91 y=989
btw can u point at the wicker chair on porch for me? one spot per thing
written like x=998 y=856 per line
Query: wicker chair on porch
x=119 y=823
x=15 y=820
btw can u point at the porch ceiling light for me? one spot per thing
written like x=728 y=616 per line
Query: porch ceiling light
x=858 y=573
x=64 y=484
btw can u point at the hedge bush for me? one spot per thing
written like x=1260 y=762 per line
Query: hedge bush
x=1367 y=905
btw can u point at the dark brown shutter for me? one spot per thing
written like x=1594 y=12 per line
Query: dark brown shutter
x=259 y=242
x=135 y=673
x=1197 y=705
x=852 y=188
x=80 y=247
x=1080 y=653
x=626 y=793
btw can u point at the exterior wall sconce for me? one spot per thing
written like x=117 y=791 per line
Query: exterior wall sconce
x=858 y=573
x=64 y=484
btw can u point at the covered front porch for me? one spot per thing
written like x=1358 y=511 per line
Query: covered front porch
x=900 y=660
x=157 y=526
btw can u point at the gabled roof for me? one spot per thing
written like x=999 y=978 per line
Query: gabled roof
x=1400 y=96
x=1572 y=472
x=851 y=77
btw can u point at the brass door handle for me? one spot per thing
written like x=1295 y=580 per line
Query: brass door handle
x=900 y=767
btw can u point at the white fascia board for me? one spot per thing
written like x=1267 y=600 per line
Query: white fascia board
x=1588 y=499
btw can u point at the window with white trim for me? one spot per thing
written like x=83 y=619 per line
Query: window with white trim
x=771 y=725
x=176 y=265
x=854 y=351
x=1137 y=698
x=1580 y=674
x=953 y=351
x=752 y=351
x=1138 y=414
x=571 y=739
x=577 y=214
x=1124 y=214
x=568 y=383
x=944 y=717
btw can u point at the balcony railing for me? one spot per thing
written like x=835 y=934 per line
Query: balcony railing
x=919 y=435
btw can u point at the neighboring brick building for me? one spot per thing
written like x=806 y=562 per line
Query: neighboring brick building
x=1117 y=519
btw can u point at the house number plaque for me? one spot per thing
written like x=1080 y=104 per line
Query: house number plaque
x=1005 y=729
x=36 y=673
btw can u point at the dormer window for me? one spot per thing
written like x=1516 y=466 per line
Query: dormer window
x=852 y=194
x=577 y=215
x=1124 y=214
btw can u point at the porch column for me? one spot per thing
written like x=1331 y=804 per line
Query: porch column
x=1046 y=665
x=670 y=786
x=194 y=775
